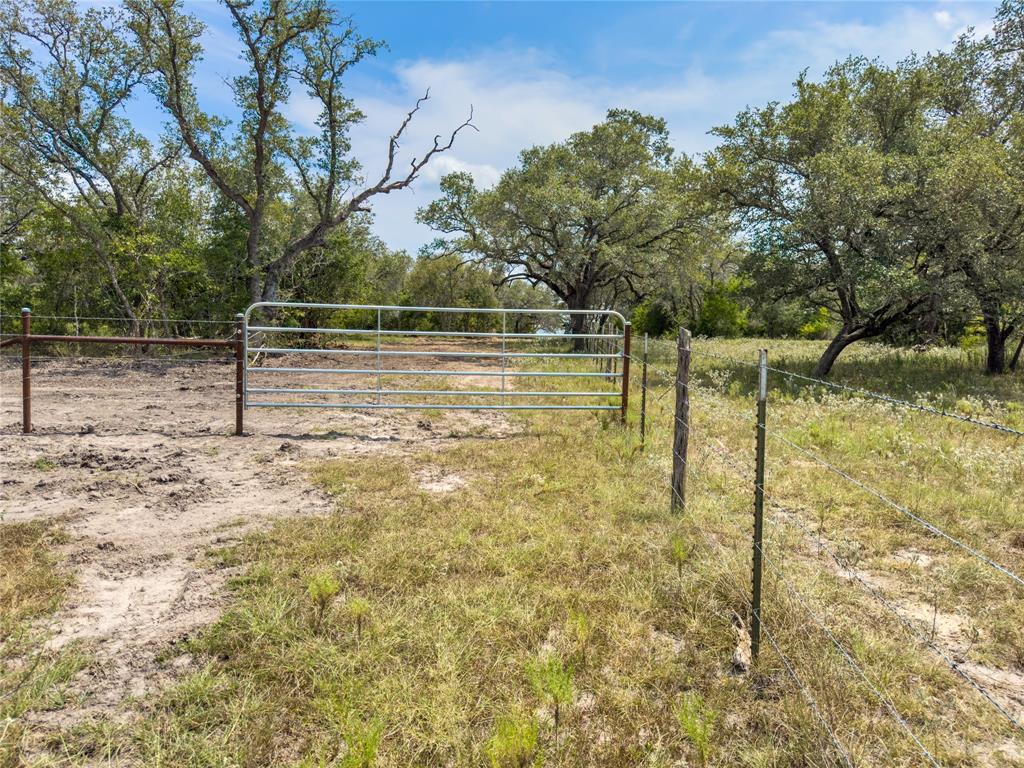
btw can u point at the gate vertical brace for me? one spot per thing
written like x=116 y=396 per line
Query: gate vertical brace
x=758 y=543
x=643 y=397
x=379 y=366
x=626 y=332
x=681 y=433
x=26 y=370
x=503 y=339
x=240 y=355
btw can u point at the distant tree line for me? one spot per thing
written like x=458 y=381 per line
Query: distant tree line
x=879 y=202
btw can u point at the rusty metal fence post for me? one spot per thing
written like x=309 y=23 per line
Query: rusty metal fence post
x=26 y=370
x=239 y=373
x=626 y=328
x=758 y=543
x=643 y=397
x=681 y=433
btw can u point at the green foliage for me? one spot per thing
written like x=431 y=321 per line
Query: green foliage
x=513 y=743
x=652 y=318
x=817 y=328
x=722 y=314
x=595 y=215
x=697 y=721
x=44 y=463
x=362 y=741
x=679 y=551
x=358 y=608
x=552 y=682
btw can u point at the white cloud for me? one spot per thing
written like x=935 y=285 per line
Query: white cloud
x=523 y=98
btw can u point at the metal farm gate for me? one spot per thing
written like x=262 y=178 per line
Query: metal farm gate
x=374 y=356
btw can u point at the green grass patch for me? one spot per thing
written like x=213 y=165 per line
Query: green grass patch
x=32 y=678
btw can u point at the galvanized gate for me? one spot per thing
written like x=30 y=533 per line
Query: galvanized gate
x=362 y=356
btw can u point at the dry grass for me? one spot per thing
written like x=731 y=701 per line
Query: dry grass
x=550 y=609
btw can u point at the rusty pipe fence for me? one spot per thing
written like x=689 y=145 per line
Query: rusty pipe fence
x=266 y=373
x=369 y=356
x=27 y=339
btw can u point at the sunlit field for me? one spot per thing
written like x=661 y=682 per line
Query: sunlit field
x=538 y=602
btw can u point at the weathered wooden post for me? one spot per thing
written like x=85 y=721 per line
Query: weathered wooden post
x=643 y=397
x=681 y=433
x=239 y=373
x=26 y=370
x=626 y=332
x=762 y=401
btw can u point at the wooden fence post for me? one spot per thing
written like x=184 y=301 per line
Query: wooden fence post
x=681 y=433
x=758 y=542
x=26 y=370
x=643 y=397
x=239 y=373
x=626 y=333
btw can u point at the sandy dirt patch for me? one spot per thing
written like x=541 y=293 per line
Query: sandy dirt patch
x=138 y=460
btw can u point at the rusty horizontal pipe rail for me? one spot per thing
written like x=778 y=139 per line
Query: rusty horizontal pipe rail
x=26 y=338
x=136 y=340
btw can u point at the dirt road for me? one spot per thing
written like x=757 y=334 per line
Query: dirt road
x=138 y=460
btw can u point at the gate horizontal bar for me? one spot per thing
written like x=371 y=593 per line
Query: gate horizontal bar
x=437 y=407
x=453 y=334
x=462 y=310
x=400 y=353
x=456 y=392
x=400 y=372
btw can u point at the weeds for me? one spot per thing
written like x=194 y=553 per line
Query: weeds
x=552 y=682
x=322 y=588
x=514 y=743
x=696 y=720
x=359 y=610
x=43 y=463
x=679 y=551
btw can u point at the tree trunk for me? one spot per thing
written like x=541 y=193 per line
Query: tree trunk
x=995 y=359
x=843 y=339
x=1016 y=355
x=578 y=323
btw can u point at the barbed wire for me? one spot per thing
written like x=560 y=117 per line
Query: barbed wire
x=878 y=494
x=882 y=697
x=794 y=518
x=742 y=472
x=802 y=687
x=931 y=527
x=886 y=701
x=897 y=401
x=881 y=396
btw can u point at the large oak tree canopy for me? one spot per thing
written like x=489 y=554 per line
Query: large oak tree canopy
x=255 y=163
x=592 y=218
x=831 y=187
x=65 y=77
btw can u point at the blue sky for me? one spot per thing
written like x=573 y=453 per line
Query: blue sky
x=537 y=71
